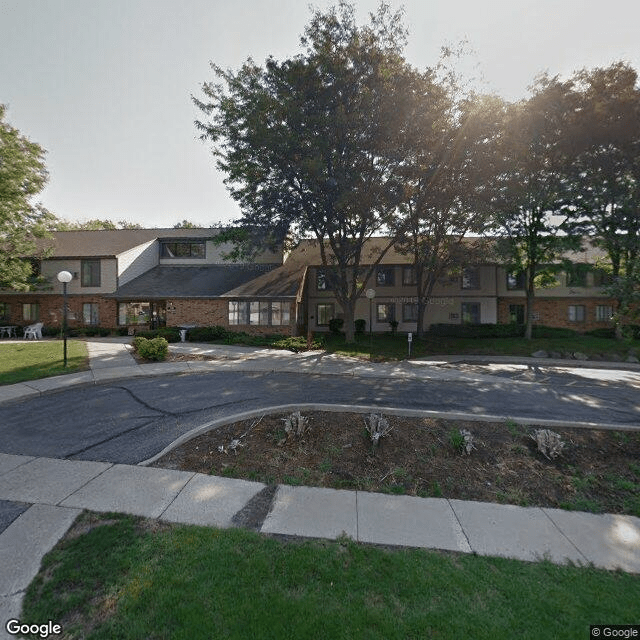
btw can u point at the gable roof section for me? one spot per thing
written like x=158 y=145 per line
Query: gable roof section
x=209 y=281
x=112 y=242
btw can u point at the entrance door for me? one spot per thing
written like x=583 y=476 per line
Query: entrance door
x=158 y=314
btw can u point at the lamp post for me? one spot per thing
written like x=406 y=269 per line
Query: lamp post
x=64 y=277
x=371 y=294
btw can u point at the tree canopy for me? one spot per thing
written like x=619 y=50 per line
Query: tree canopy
x=309 y=144
x=23 y=175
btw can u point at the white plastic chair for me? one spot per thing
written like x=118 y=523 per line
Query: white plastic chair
x=33 y=331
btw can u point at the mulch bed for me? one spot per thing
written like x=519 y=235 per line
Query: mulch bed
x=598 y=470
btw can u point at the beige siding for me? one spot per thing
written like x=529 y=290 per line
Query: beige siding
x=136 y=261
x=108 y=276
x=561 y=291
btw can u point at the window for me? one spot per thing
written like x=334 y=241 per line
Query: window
x=410 y=312
x=324 y=313
x=238 y=312
x=604 y=313
x=280 y=313
x=5 y=312
x=325 y=279
x=576 y=313
x=601 y=278
x=258 y=312
x=516 y=313
x=134 y=313
x=577 y=275
x=90 y=273
x=385 y=276
x=515 y=280
x=385 y=312
x=409 y=276
x=471 y=313
x=471 y=278
x=31 y=312
x=182 y=250
x=90 y=313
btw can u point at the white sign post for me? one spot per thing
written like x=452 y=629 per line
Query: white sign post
x=409 y=340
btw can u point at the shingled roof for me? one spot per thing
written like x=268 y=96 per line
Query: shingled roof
x=209 y=281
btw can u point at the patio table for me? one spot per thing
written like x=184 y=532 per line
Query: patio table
x=10 y=331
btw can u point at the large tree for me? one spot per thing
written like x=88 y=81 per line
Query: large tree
x=530 y=189
x=606 y=145
x=449 y=145
x=310 y=144
x=23 y=175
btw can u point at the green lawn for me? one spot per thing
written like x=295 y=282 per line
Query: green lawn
x=396 y=347
x=30 y=360
x=126 y=580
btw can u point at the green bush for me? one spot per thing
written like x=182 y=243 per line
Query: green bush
x=335 y=325
x=295 y=344
x=207 y=334
x=170 y=334
x=602 y=332
x=154 y=349
x=476 y=330
x=553 y=332
x=360 y=325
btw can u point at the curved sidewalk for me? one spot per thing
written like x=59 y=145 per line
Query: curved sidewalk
x=111 y=359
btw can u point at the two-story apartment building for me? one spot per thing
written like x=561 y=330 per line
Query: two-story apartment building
x=139 y=278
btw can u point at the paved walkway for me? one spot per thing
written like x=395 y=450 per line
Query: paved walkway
x=40 y=497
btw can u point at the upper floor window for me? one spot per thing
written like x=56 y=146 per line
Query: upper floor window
x=577 y=275
x=325 y=279
x=515 y=280
x=385 y=276
x=409 y=276
x=182 y=249
x=471 y=278
x=90 y=273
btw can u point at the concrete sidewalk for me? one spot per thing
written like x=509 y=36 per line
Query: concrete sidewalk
x=47 y=494
x=41 y=497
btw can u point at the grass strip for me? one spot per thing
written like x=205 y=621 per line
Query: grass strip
x=132 y=578
x=33 y=360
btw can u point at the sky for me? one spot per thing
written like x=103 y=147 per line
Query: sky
x=106 y=86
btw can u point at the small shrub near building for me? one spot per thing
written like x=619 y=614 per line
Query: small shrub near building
x=154 y=349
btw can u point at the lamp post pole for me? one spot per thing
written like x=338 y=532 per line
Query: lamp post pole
x=64 y=277
x=371 y=294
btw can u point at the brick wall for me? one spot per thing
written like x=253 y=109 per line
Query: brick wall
x=208 y=313
x=554 y=312
x=204 y=313
x=51 y=309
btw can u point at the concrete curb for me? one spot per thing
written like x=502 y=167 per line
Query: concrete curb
x=393 y=411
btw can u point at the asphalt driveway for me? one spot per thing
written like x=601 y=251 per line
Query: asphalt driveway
x=130 y=420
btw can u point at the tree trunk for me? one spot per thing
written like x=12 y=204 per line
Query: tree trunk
x=528 y=332
x=349 y=314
